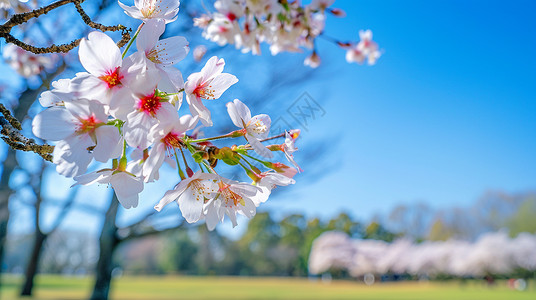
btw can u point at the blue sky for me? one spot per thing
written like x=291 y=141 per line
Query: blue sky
x=446 y=114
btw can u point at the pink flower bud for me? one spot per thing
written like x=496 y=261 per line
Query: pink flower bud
x=338 y=12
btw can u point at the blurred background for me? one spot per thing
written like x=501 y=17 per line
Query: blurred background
x=433 y=145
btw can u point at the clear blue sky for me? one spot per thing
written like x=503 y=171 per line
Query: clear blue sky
x=448 y=112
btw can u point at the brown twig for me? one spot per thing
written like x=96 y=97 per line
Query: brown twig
x=90 y=23
x=41 y=50
x=18 y=19
x=11 y=135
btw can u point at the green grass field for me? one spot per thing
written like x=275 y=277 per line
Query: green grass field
x=177 y=287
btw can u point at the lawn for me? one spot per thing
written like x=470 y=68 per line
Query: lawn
x=177 y=287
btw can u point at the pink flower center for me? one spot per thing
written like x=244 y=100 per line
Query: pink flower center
x=88 y=125
x=231 y=16
x=171 y=140
x=198 y=189
x=155 y=55
x=204 y=91
x=229 y=195
x=112 y=78
x=149 y=9
x=150 y=104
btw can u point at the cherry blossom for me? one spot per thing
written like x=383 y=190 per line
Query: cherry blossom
x=286 y=26
x=256 y=128
x=145 y=10
x=18 y=6
x=60 y=94
x=107 y=78
x=492 y=253
x=288 y=147
x=365 y=49
x=26 y=63
x=312 y=61
x=191 y=194
x=165 y=139
x=231 y=198
x=81 y=126
x=208 y=84
x=268 y=181
x=126 y=185
x=149 y=108
x=163 y=54
x=320 y=4
x=232 y=9
x=199 y=52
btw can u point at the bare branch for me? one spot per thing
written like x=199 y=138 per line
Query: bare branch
x=19 y=19
x=65 y=209
x=12 y=136
x=41 y=50
x=7 y=114
x=90 y=23
x=5 y=30
x=133 y=232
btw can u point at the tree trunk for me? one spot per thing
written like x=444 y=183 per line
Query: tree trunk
x=33 y=263
x=9 y=165
x=108 y=243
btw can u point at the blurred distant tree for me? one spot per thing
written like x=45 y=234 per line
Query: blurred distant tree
x=411 y=220
x=284 y=247
x=376 y=231
x=440 y=232
x=180 y=252
x=343 y=222
x=524 y=220
x=40 y=234
x=493 y=209
x=260 y=237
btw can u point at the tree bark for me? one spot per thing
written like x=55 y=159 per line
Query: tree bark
x=33 y=263
x=108 y=243
x=9 y=165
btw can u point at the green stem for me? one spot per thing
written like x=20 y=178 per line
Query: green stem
x=261 y=161
x=211 y=138
x=171 y=94
x=132 y=40
x=247 y=161
x=181 y=173
x=209 y=168
x=245 y=168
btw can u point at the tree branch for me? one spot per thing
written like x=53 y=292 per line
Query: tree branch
x=133 y=232
x=19 y=19
x=5 y=30
x=11 y=135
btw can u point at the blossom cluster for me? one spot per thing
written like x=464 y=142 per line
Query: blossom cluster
x=123 y=111
x=366 y=49
x=284 y=25
x=493 y=253
x=27 y=64
x=17 y=5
